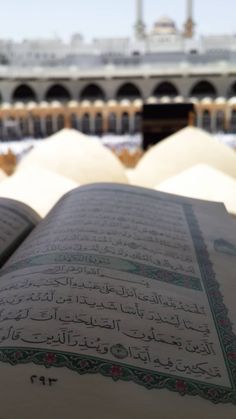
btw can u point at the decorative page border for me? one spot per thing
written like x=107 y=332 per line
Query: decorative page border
x=149 y=379
x=117 y=371
x=219 y=311
x=111 y=262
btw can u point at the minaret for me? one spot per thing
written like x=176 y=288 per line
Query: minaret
x=189 y=24
x=139 y=25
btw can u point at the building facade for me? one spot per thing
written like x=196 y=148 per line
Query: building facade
x=44 y=78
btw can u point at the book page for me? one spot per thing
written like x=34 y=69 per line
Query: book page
x=16 y=222
x=122 y=289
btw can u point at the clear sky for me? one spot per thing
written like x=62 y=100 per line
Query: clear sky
x=104 y=18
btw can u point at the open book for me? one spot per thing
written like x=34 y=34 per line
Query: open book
x=119 y=304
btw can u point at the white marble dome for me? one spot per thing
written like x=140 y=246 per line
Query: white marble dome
x=164 y=26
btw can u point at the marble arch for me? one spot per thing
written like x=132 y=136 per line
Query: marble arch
x=165 y=88
x=128 y=91
x=24 y=93
x=57 y=92
x=203 y=88
x=92 y=92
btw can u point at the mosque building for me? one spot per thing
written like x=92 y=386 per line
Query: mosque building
x=100 y=86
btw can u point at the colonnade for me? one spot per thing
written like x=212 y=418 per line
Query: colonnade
x=41 y=120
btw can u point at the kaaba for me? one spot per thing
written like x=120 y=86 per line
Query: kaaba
x=161 y=120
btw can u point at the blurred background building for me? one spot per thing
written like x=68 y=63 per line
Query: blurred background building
x=100 y=86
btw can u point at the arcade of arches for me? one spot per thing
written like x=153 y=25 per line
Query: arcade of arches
x=117 y=90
